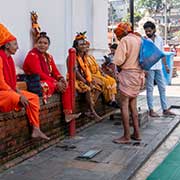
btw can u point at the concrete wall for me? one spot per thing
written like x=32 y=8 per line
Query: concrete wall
x=61 y=19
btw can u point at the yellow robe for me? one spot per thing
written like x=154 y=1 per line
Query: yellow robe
x=109 y=83
x=80 y=86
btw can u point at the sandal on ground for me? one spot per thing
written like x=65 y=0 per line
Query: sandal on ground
x=168 y=113
x=153 y=114
x=133 y=137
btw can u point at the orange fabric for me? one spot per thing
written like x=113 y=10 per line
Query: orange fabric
x=84 y=66
x=9 y=100
x=5 y=35
x=122 y=28
x=32 y=110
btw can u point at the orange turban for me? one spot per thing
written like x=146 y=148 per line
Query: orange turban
x=122 y=28
x=5 y=35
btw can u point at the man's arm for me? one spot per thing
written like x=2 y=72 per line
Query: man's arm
x=165 y=64
x=164 y=58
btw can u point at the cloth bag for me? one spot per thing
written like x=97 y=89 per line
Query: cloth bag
x=33 y=84
x=149 y=54
x=32 y=81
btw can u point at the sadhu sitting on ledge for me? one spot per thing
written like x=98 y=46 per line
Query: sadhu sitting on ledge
x=12 y=98
x=40 y=62
x=84 y=80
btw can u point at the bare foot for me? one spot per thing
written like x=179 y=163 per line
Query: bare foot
x=37 y=133
x=122 y=140
x=89 y=114
x=93 y=115
x=153 y=114
x=69 y=117
x=135 y=137
x=98 y=118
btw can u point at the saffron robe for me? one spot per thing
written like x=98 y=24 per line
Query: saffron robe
x=108 y=83
x=9 y=98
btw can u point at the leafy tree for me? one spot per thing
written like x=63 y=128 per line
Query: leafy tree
x=137 y=16
x=150 y=5
x=154 y=6
x=112 y=14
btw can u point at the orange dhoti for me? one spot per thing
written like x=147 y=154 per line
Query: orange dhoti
x=9 y=101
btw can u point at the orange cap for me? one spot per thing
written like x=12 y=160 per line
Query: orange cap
x=5 y=35
x=122 y=28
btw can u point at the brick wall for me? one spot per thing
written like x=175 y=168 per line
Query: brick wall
x=16 y=143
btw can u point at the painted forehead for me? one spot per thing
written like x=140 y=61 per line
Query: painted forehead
x=81 y=42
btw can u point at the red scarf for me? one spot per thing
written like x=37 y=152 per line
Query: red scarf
x=46 y=66
x=8 y=70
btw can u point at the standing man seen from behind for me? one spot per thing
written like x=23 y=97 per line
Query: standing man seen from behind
x=131 y=79
x=156 y=74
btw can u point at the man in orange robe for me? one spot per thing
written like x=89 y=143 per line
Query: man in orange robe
x=12 y=98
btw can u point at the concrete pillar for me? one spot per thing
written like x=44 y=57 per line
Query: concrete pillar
x=99 y=42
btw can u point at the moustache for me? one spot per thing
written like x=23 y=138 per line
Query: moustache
x=150 y=35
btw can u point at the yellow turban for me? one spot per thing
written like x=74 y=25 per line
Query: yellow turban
x=122 y=28
x=5 y=35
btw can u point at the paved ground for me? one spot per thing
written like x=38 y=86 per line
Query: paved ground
x=174 y=138
x=114 y=162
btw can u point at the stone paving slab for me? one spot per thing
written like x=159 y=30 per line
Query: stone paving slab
x=150 y=146
x=115 y=162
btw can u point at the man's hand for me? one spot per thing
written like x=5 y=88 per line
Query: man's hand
x=62 y=85
x=23 y=100
x=91 y=85
x=167 y=68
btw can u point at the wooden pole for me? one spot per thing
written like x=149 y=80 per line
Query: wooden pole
x=165 y=23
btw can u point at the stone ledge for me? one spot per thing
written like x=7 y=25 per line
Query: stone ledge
x=16 y=144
